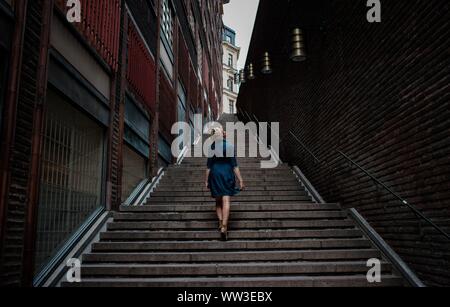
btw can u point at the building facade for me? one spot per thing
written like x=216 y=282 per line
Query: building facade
x=230 y=71
x=376 y=92
x=87 y=110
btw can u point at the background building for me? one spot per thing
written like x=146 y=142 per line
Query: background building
x=377 y=92
x=230 y=70
x=87 y=110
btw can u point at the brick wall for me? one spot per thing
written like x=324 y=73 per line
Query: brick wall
x=12 y=253
x=378 y=92
x=113 y=35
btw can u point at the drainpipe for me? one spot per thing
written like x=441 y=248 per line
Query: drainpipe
x=119 y=80
x=37 y=136
x=9 y=124
x=154 y=133
x=115 y=81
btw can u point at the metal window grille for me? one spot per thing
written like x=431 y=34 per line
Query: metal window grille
x=167 y=22
x=71 y=178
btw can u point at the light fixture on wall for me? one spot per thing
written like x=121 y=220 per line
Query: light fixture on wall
x=298 y=49
x=242 y=76
x=251 y=72
x=267 y=66
x=236 y=78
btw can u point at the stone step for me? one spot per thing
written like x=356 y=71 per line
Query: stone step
x=246 y=282
x=189 y=160
x=244 y=172
x=238 y=198
x=230 y=245
x=228 y=269
x=234 y=225
x=234 y=235
x=254 y=188
x=252 y=181
x=248 y=207
x=248 y=184
x=211 y=201
x=242 y=166
x=236 y=216
x=247 y=177
x=233 y=256
x=241 y=163
x=297 y=192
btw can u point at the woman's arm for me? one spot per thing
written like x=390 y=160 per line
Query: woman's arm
x=237 y=172
x=207 y=178
x=209 y=165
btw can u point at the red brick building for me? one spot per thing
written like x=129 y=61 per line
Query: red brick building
x=87 y=109
x=378 y=92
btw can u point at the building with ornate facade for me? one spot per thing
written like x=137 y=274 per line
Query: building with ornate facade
x=230 y=71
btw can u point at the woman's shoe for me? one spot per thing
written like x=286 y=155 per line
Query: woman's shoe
x=224 y=233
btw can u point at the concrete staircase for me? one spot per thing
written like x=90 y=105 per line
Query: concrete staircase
x=278 y=237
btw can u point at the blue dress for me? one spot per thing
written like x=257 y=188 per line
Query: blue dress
x=222 y=180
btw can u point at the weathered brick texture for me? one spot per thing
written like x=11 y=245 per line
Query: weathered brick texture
x=12 y=254
x=378 y=92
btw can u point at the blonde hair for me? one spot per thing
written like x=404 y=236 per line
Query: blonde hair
x=217 y=133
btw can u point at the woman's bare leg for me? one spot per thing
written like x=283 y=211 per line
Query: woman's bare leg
x=219 y=204
x=226 y=204
x=226 y=217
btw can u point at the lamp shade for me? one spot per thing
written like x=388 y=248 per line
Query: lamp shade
x=251 y=72
x=242 y=76
x=298 y=49
x=266 y=64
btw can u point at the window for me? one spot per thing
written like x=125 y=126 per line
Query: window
x=167 y=22
x=232 y=111
x=230 y=60
x=71 y=188
x=167 y=56
x=136 y=149
x=164 y=152
x=230 y=84
x=181 y=106
x=134 y=171
x=200 y=58
x=192 y=123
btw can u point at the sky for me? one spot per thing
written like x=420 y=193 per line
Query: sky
x=240 y=16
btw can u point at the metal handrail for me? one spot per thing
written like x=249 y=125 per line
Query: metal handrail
x=367 y=173
x=382 y=184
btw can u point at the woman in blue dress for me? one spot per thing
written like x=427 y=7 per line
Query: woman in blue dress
x=221 y=179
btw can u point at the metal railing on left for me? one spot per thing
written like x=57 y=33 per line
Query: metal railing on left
x=142 y=192
x=146 y=187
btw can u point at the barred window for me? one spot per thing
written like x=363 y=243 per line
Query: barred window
x=71 y=185
x=167 y=22
x=232 y=111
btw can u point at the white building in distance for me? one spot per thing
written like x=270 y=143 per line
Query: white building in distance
x=230 y=59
